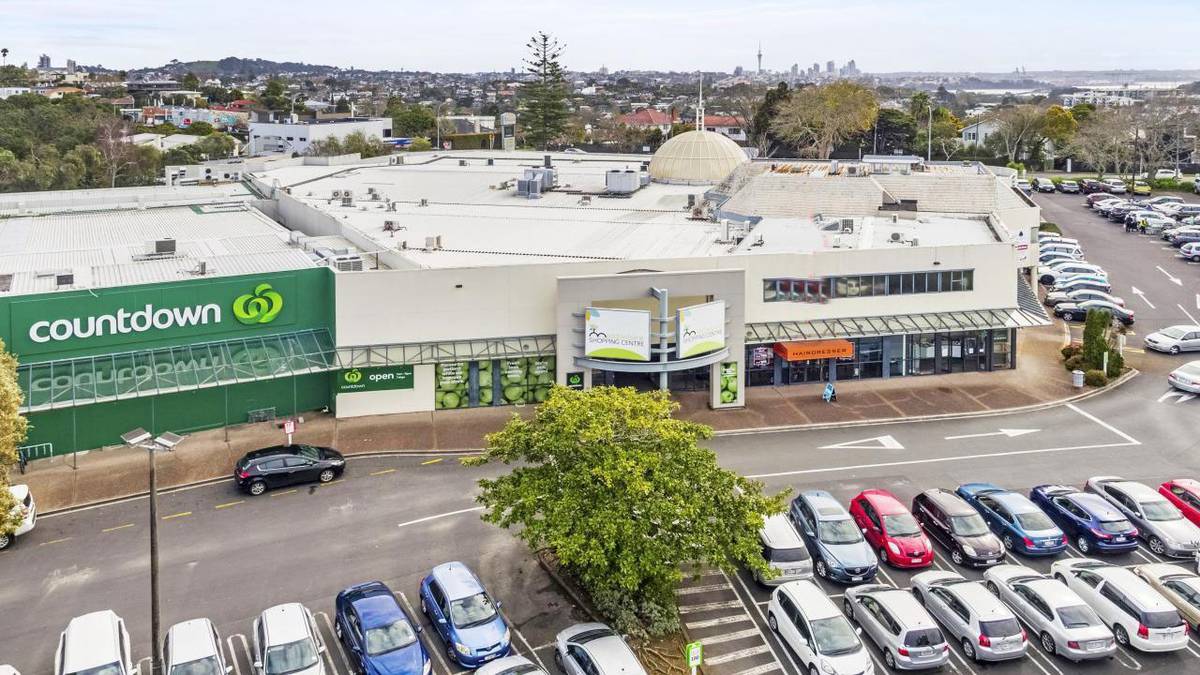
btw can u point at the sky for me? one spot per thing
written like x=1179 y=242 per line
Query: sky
x=713 y=35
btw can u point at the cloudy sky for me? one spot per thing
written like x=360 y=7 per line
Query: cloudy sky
x=474 y=35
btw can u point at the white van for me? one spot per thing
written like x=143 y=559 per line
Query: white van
x=28 y=508
x=784 y=551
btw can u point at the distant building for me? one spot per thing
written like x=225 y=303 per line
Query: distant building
x=648 y=118
x=727 y=125
x=295 y=136
x=737 y=71
x=1100 y=99
x=977 y=133
x=5 y=92
x=829 y=66
x=71 y=67
x=55 y=93
x=44 y=62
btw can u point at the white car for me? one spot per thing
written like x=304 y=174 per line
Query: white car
x=1174 y=339
x=1116 y=186
x=1082 y=295
x=95 y=644
x=1140 y=616
x=1045 y=238
x=802 y=616
x=510 y=665
x=1190 y=251
x=286 y=640
x=1054 y=614
x=8 y=670
x=1166 y=174
x=28 y=508
x=594 y=649
x=193 y=648
x=986 y=629
x=1186 y=377
x=1052 y=273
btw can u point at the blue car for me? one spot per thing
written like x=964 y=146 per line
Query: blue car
x=1087 y=519
x=1019 y=523
x=839 y=551
x=462 y=612
x=380 y=637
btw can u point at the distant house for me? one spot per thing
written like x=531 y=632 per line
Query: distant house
x=727 y=125
x=55 y=93
x=978 y=132
x=5 y=92
x=649 y=118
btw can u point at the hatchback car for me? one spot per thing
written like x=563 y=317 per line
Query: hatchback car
x=1078 y=311
x=284 y=465
x=1068 y=187
x=898 y=625
x=972 y=616
x=783 y=550
x=1174 y=339
x=1049 y=274
x=510 y=665
x=954 y=524
x=1190 y=251
x=1092 y=186
x=806 y=619
x=1055 y=297
x=1060 y=620
x=380 y=637
x=287 y=642
x=1159 y=524
x=27 y=508
x=1180 y=587
x=1089 y=520
x=891 y=529
x=1186 y=377
x=1181 y=211
x=464 y=615
x=1141 y=187
x=1081 y=282
x=838 y=549
x=1140 y=616
x=594 y=649
x=1043 y=185
x=193 y=648
x=1184 y=493
x=1024 y=186
x=1116 y=186
x=94 y=644
x=1020 y=524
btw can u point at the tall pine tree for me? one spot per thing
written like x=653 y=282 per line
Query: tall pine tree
x=544 y=105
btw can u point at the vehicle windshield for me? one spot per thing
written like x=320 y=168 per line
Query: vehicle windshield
x=1159 y=510
x=205 y=666
x=1034 y=521
x=1167 y=619
x=923 y=637
x=838 y=531
x=1190 y=369
x=788 y=555
x=1077 y=616
x=309 y=452
x=1000 y=628
x=388 y=638
x=834 y=636
x=290 y=657
x=1115 y=526
x=968 y=526
x=901 y=525
x=108 y=669
x=1172 y=332
x=519 y=670
x=473 y=611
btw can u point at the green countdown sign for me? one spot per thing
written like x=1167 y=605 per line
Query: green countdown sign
x=379 y=378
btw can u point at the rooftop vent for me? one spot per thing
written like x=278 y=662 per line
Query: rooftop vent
x=5 y=283
x=896 y=236
x=64 y=279
x=433 y=243
x=424 y=202
x=164 y=246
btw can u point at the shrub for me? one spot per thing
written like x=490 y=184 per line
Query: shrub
x=1116 y=363
x=1070 y=350
x=1056 y=180
x=1164 y=183
x=1052 y=228
x=1095 y=378
x=1074 y=363
x=1019 y=167
x=1187 y=185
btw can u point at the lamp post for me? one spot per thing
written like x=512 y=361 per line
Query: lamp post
x=140 y=438
x=929 y=135
x=437 y=121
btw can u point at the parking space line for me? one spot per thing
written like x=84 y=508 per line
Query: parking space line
x=118 y=527
x=699 y=589
x=229 y=504
x=424 y=635
x=323 y=617
x=435 y=460
x=285 y=492
x=729 y=637
x=1106 y=425
x=768 y=636
x=709 y=606
x=382 y=472
x=741 y=653
x=719 y=621
x=245 y=650
x=532 y=651
x=54 y=541
x=181 y=514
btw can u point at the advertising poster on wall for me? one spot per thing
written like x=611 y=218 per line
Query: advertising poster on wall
x=451 y=382
x=701 y=329
x=523 y=380
x=377 y=378
x=622 y=334
x=729 y=382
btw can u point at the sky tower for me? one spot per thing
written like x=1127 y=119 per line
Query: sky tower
x=759 y=58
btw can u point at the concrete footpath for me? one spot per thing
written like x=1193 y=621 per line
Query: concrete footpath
x=112 y=473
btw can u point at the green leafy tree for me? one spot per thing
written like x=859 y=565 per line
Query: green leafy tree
x=1059 y=126
x=353 y=142
x=1095 y=338
x=199 y=129
x=342 y=105
x=190 y=82
x=761 y=134
x=13 y=430
x=817 y=119
x=216 y=146
x=1082 y=112
x=14 y=76
x=411 y=120
x=624 y=497
x=894 y=130
x=544 y=99
x=274 y=96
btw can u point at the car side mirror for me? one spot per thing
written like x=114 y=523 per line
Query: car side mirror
x=419 y=628
x=499 y=604
x=858 y=630
x=258 y=665
x=864 y=530
x=803 y=642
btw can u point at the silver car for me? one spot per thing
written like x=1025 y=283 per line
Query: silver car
x=510 y=665
x=1159 y=523
x=193 y=648
x=898 y=625
x=784 y=551
x=984 y=626
x=1059 y=618
x=594 y=649
x=1186 y=377
x=1174 y=339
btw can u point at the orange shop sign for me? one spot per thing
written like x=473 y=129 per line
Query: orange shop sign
x=814 y=349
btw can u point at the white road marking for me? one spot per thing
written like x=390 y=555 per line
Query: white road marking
x=424 y=635
x=729 y=637
x=767 y=624
x=741 y=653
x=532 y=651
x=323 y=617
x=1131 y=440
x=1188 y=314
x=1010 y=433
x=448 y=514
x=1142 y=294
x=876 y=443
x=1172 y=393
x=1174 y=279
x=245 y=650
x=719 y=621
x=708 y=606
x=699 y=589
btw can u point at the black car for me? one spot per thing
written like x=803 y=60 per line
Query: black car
x=1068 y=187
x=284 y=465
x=953 y=523
x=1089 y=185
x=1071 y=311
x=1043 y=185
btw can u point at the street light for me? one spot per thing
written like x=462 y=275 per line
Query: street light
x=437 y=121
x=929 y=135
x=140 y=438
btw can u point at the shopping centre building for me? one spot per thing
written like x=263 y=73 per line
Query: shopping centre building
x=472 y=279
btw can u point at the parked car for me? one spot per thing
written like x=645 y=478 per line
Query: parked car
x=380 y=637
x=1093 y=198
x=784 y=551
x=1053 y=257
x=839 y=550
x=1055 y=238
x=1092 y=186
x=1184 y=494
x=283 y=465
x=1020 y=524
x=1117 y=212
x=464 y=615
x=1074 y=251
x=1186 y=377
x=1104 y=206
x=1190 y=251
x=1051 y=273
x=6 y=669
x=1187 y=235
x=1024 y=186
x=1116 y=186
x=594 y=649
x=1180 y=587
x=1140 y=187
x=1166 y=174
x=1089 y=520
x=955 y=525
x=899 y=626
x=1043 y=185
x=510 y=665
x=1147 y=222
x=23 y=499
x=1159 y=524
x=821 y=636
x=1181 y=211
x=1169 y=232
x=1174 y=339
x=891 y=529
x=94 y=644
x=287 y=641
x=1055 y=297
x=1161 y=200
x=1071 y=311
x=193 y=648
x=1140 y=617
x=1061 y=621
x=1068 y=187
x=970 y=614
x=1081 y=282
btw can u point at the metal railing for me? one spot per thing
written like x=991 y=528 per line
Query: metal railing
x=25 y=453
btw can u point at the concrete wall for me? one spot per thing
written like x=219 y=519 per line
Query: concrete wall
x=417 y=399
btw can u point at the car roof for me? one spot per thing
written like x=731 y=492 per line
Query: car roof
x=904 y=608
x=91 y=640
x=1189 y=484
x=824 y=506
x=1161 y=570
x=457 y=580
x=1135 y=587
x=375 y=605
x=1095 y=505
x=811 y=600
x=777 y=532
x=273 y=450
x=980 y=599
x=949 y=502
x=191 y=640
x=285 y=623
x=1015 y=501
x=884 y=502
x=1053 y=592
x=1138 y=491
x=19 y=492
x=612 y=655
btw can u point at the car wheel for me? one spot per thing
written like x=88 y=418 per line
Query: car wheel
x=822 y=569
x=1048 y=644
x=848 y=610
x=558 y=661
x=1175 y=349
x=1121 y=635
x=1061 y=578
x=1046 y=280
x=957 y=556
x=452 y=654
x=883 y=556
x=1196 y=258
x=5 y=540
x=889 y=660
x=991 y=586
x=337 y=629
x=770 y=622
x=968 y=649
x=1067 y=316
x=326 y=476
x=1008 y=542
x=812 y=670
x=424 y=609
x=1083 y=544
x=257 y=488
x=1156 y=546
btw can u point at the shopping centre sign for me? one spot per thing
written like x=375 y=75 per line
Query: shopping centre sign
x=616 y=334
x=378 y=378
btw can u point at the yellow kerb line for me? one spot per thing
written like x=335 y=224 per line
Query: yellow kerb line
x=382 y=471
x=118 y=527
x=229 y=504
x=177 y=515
x=432 y=461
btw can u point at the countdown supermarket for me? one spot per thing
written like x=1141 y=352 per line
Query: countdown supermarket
x=461 y=280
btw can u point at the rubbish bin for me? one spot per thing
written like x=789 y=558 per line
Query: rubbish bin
x=1077 y=379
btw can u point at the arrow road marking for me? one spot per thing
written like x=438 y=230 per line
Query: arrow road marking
x=1175 y=280
x=1183 y=396
x=1193 y=319
x=1142 y=294
x=876 y=443
x=1011 y=433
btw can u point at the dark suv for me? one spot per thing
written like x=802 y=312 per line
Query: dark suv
x=951 y=521
x=283 y=465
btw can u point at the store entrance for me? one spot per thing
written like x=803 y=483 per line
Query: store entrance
x=691 y=379
x=964 y=352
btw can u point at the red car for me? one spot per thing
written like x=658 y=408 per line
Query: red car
x=891 y=529
x=1184 y=493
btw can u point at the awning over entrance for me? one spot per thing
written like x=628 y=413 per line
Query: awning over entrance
x=900 y=324
x=96 y=379
x=457 y=351
x=814 y=349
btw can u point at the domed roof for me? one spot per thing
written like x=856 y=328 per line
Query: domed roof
x=696 y=157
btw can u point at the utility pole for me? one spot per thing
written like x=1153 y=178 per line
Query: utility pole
x=929 y=135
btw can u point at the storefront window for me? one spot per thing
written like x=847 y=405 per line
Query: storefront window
x=1001 y=350
x=452 y=385
x=921 y=356
x=760 y=365
x=523 y=380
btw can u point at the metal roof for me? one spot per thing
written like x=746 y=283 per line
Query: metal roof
x=454 y=351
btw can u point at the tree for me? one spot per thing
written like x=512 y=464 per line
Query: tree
x=1095 y=338
x=1082 y=112
x=112 y=140
x=815 y=119
x=544 y=105
x=274 y=96
x=761 y=135
x=14 y=76
x=411 y=120
x=342 y=106
x=13 y=431
x=1105 y=142
x=894 y=130
x=420 y=144
x=623 y=496
x=1015 y=126
x=190 y=82
x=199 y=129
x=1059 y=126
x=353 y=142
x=216 y=146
